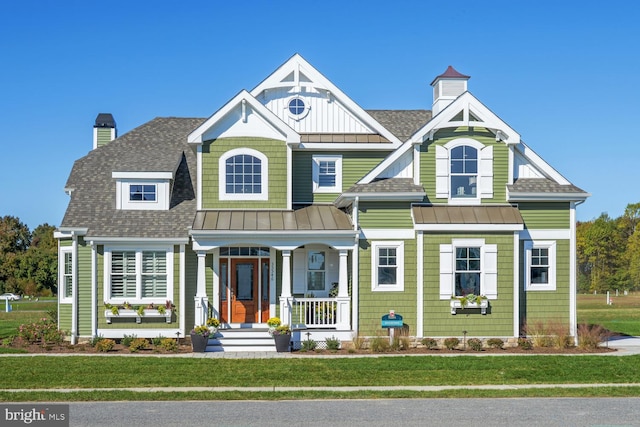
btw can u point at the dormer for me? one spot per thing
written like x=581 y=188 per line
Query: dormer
x=143 y=190
x=447 y=87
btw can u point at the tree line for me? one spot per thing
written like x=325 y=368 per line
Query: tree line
x=608 y=252
x=28 y=259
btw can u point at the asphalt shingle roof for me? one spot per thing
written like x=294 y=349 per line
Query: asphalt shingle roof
x=401 y=123
x=541 y=185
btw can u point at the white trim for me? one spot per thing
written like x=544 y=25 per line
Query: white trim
x=387 y=233
x=551 y=280
x=74 y=291
x=344 y=146
x=469 y=227
x=573 y=311
x=420 y=285
x=142 y=175
x=61 y=275
x=545 y=234
x=516 y=285
x=199 y=177
x=289 y=177
x=94 y=289
x=222 y=181
x=398 y=245
x=141 y=333
x=182 y=291
x=337 y=160
x=539 y=163
x=138 y=299
x=137 y=241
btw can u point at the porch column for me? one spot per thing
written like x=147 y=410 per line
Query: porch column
x=343 y=293
x=285 y=294
x=201 y=300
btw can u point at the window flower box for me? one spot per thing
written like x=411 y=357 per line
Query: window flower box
x=135 y=314
x=461 y=303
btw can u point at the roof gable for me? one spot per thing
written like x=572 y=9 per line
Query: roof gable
x=243 y=115
x=326 y=108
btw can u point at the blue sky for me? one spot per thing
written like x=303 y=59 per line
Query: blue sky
x=562 y=74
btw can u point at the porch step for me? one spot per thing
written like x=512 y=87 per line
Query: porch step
x=241 y=339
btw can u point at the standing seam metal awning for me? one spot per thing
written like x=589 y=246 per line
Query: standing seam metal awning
x=311 y=218
x=467 y=217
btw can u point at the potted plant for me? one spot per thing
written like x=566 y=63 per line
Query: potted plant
x=282 y=338
x=213 y=324
x=199 y=338
x=273 y=323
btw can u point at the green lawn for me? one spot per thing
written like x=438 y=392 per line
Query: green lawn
x=623 y=316
x=23 y=312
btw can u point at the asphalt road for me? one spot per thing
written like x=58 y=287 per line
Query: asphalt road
x=561 y=412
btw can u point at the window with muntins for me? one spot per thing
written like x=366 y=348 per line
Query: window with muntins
x=467 y=271
x=142 y=193
x=464 y=172
x=540 y=270
x=388 y=261
x=243 y=174
x=327 y=174
x=540 y=266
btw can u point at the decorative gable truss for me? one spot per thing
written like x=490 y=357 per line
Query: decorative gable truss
x=309 y=103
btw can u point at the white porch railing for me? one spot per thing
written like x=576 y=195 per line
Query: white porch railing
x=315 y=312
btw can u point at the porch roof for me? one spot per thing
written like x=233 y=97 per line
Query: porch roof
x=430 y=217
x=314 y=217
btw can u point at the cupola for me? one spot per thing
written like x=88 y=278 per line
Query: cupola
x=447 y=87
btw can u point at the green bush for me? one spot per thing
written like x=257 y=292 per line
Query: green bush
x=525 y=343
x=138 y=344
x=169 y=344
x=333 y=343
x=309 y=345
x=429 y=343
x=495 y=343
x=475 y=344
x=104 y=345
x=451 y=343
x=95 y=340
x=126 y=340
x=379 y=344
x=43 y=330
x=157 y=341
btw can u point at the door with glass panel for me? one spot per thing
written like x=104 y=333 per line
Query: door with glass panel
x=242 y=299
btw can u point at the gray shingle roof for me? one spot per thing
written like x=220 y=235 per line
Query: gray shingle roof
x=401 y=123
x=542 y=185
x=159 y=146
x=389 y=185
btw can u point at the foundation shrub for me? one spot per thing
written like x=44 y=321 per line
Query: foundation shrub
x=309 y=345
x=138 y=344
x=126 y=340
x=525 y=343
x=495 y=343
x=475 y=344
x=591 y=336
x=104 y=345
x=333 y=343
x=379 y=344
x=429 y=343
x=451 y=343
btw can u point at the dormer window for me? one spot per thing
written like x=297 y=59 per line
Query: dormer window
x=143 y=190
x=243 y=174
x=142 y=193
x=464 y=171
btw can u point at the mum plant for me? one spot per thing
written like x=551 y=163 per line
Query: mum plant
x=201 y=330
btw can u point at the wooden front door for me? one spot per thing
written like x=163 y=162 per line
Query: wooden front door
x=242 y=299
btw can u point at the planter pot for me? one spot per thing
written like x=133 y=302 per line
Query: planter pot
x=282 y=343
x=198 y=343
x=212 y=331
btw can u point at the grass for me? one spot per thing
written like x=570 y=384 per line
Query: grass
x=23 y=312
x=622 y=317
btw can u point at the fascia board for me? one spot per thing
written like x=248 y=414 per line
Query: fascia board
x=327 y=146
x=539 y=197
x=541 y=164
x=280 y=234
x=70 y=231
x=142 y=175
x=291 y=136
x=136 y=241
x=319 y=80
x=469 y=227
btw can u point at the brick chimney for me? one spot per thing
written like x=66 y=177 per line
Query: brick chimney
x=446 y=88
x=104 y=130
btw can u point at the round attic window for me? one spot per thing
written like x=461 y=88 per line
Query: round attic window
x=296 y=106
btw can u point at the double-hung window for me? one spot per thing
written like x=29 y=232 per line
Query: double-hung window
x=468 y=267
x=467 y=271
x=138 y=275
x=387 y=263
x=327 y=174
x=66 y=274
x=464 y=171
x=316 y=265
x=540 y=270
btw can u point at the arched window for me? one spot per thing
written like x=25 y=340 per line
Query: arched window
x=243 y=175
x=464 y=172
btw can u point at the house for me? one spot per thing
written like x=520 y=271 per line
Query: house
x=292 y=200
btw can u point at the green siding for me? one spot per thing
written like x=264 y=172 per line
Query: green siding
x=438 y=320
x=276 y=153
x=84 y=288
x=545 y=215
x=191 y=285
x=355 y=165
x=64 y=318
x=385 y=215
x=442 y=137
x=549 y=305
x=103 y=136
x=373 y=305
